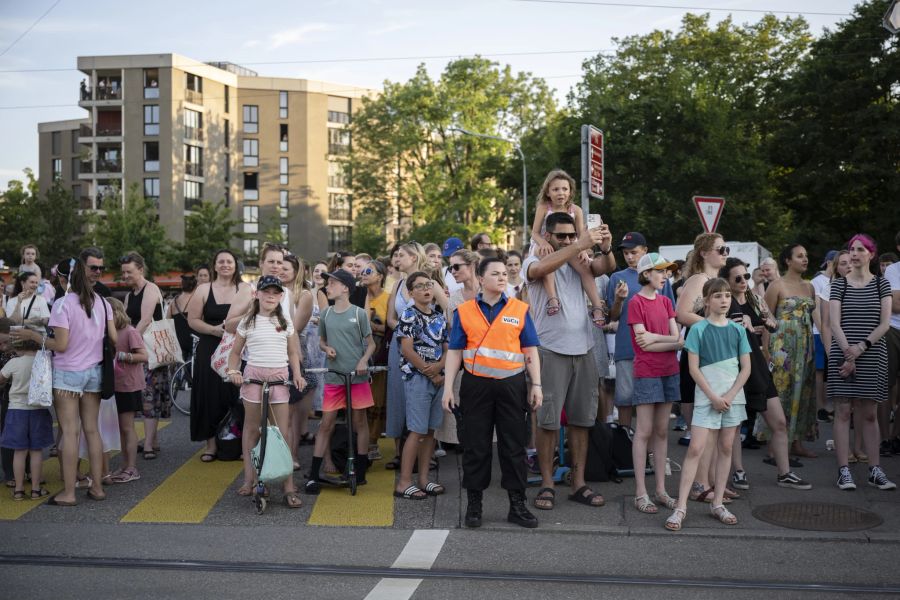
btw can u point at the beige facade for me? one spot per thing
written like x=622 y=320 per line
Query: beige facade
x=186 y=131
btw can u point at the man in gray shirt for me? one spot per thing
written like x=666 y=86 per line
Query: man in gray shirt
x=568 y=373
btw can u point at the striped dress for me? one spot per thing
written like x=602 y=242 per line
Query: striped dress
x=860 y=315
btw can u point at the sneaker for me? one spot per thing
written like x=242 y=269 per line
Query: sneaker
x=884 y=449
x=793 y=481
x=878 y=479
x=439 y=452
x=680 y=424
x=685 y=440
x=375 y=454
x=845 y=480
x=740 y=481
x=895 y=446
x=823 y=416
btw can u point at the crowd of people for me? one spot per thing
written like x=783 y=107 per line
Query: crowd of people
x=481 y=346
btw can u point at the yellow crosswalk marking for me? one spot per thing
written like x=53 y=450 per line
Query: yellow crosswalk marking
x=373 y=505
x=188 y=494
x=11 y=510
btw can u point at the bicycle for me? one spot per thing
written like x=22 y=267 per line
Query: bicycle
x=183 y=381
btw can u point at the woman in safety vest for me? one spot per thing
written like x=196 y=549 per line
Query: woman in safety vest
x=495 y=341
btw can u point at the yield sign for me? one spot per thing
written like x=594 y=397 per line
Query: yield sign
x=710 y=210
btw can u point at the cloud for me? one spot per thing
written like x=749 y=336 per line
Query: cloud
x=251 y=44
x=297 y=35
x=392 y=27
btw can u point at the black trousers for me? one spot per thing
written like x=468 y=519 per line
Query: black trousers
x=486 y=403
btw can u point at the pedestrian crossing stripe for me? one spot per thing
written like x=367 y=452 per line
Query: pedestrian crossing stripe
x=10 y=509
x=373 y=505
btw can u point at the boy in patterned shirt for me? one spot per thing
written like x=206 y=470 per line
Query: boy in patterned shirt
x=423 y=346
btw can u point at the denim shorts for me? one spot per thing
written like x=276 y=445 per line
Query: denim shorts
x=656 y=390
x=80 y=382
x=624 y=395
x=709 y=418
x=424 y=410
x=27 y=429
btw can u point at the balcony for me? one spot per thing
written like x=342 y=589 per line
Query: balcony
x=109 y=131
x=151 y=93
x=86 y=167
x=193 y=133
x=86 y=130
x=250 y=194
x=85 y=203
x=193 y=96
x=109 y=166
x=192 y=203
x=338 y=149
x=193 y=169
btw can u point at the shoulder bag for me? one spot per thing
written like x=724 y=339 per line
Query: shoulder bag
x=162 y=344
x=40 y=387
x=108 y=374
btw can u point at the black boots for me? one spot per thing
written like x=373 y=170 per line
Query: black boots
x=518 y=512
x=473 y=510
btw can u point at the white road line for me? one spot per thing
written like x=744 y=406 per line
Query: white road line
x=420 y=552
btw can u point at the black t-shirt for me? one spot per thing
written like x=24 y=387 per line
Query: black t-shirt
x=102 y=290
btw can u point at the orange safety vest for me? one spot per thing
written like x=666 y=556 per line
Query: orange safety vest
x=493 y=349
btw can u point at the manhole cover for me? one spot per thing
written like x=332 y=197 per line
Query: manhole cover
x=817 y=516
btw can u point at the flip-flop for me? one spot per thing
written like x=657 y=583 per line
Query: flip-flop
x=587 y=500
x=149 y=455
x=245 y=490
x=206 y=457
x=393 y=464
x=434 y=489
x=292 y=500
x=410 y=493
x=54 y=502
x=96 y=497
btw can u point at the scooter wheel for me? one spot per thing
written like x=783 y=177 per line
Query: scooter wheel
x=260 y=505
x=352 y=482
x=567 y=478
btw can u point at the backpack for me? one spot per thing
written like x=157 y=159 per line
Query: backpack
x=228 y=435
x=599 y=465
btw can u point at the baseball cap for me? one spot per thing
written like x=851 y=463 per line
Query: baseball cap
x=633 y=239
x=653 y=261
x=829 y=256
x=267 y=281
x=451 y=245
x=343 y=276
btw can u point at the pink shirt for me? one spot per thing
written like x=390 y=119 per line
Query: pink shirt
x=654 y=315
x=129 y=376
x=85 y=348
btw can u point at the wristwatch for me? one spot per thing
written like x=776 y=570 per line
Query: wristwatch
x=605 y=252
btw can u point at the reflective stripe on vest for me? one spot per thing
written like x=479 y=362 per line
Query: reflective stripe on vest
x=493 y=349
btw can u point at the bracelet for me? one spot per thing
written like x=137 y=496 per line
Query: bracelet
x=867 y=343
x=232 y=372
x=536 y=385
x=604 y=252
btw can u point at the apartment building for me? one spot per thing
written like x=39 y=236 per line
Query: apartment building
x=186 y=131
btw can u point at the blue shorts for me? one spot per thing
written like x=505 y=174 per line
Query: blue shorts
x=821 y=359
x=624 y=395
x=80 y=382
x=709 y=418
x=656 y=390
x=423 y=404
x=27 y=429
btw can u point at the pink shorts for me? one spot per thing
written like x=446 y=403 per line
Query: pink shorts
x=252 y=392
x=335 y=397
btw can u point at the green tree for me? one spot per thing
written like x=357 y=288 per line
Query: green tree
x=60 y=230
x=684 y=113
x=836 y=147
x=209 y=228
x=408 y=160
x=18 y=221
x=133 y=225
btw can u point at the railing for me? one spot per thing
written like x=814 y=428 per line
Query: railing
x=193 y=133
x=193 y=169
x=192 y=203
x=251 y=194
x=86 y=167
x=151 y=93
x=85 y=130
x=109 y=166
x=108 y=93
x=109 y=131
x=339 y=214
x=193 y=96
x=338 y=149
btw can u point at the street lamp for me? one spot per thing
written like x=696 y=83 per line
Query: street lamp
x=518 y=148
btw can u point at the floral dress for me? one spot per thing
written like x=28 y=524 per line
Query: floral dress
x=794 y=371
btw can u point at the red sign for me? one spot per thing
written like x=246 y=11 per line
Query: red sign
x=710 y=210
x=595 y=163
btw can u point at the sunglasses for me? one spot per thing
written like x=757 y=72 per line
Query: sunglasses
x=740 y=278
x=455 y=267
x=424 y=286
x=367 y=272
x=566 y=236
x=97 y=268
x=723 y=250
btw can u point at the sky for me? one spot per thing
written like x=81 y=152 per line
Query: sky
x=355 y=42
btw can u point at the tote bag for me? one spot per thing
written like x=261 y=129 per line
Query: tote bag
x=219 y=360
x=40 y=388
x=162 y=344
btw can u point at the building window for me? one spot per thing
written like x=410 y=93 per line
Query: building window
x=151 y=188
x=56 y=168
x=251 y=153
x=284 y=232
x=283 y=204
x=56 y=142
x=193 y=88
x=151 y=156
x=336 y=177
x=251 y=219
x=251 y=118
x=227 y=99
x=74 y=139
x=283 y=137
x=151 y=119
x=340 y=238
x=282 y=105
x=151 y=83
x=193 y=194
x=193 y=124
x=338 y=141
x=227 y=133
x=283 y=171
x=335 y=116
x=227 y=168
x=76 y=167
x=251 y=186
x=251 y=249
x=193 y=159
x=339 y=207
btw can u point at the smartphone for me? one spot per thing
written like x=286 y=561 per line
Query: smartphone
x=594 y=221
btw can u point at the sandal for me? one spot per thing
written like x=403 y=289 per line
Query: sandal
x=393 y=464
x=140 y=448
x=149 y=455
x=96 y=497
x=413 y=492
x=644 y=505
x=18 y=495
x=585 y=495
x=126 y=475
x=10 y=483
x=107 y=479
x=245 y=490
x=731 y=494
x=307 y=439
x=546 y=497
x=673 y=523
x=84 y=483
x=292 y=500
x=553 y=306
x=434 y=489
x=206 y=457
x=707 y=496
x=666 y=500
x=39 y=493
x=724 y=515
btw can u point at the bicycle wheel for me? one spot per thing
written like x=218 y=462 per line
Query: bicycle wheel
x=180 y=389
